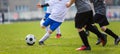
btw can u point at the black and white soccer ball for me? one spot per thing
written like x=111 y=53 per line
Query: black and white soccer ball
x=30 y=39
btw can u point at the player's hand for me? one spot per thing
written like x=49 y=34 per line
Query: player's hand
x=38 y=5
x=68 y=4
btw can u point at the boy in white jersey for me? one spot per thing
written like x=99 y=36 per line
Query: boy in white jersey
x=56 y=17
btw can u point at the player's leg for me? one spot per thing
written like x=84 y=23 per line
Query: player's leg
x=91 y=27
x=98 y=19
x=84 y=39
x=53 y=26
x=58 y=32
x=80 y=21
x=41 y=24
x=87 y=32
x=47 y=14
x=103 y=22
x=47 y=34
x=103 y=37
x=111 y=33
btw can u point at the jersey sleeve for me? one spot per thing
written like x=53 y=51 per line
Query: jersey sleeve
x=51 y=2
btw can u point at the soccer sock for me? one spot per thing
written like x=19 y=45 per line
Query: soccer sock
x=95 y=30
x=108 y=31
x=93 y=26
x=46 y=36
x=58 y=30
x=47 y=28
x=84 y=39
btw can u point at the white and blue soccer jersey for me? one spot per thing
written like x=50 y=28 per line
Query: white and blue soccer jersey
x=58 y=10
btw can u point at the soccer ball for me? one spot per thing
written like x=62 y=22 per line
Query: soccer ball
x=30 y=39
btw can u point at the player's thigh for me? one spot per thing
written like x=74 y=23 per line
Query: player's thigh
x=47 y=22
x=82 y=19
x=101 y=20
x=55 y=25
x=104 y=22
x=79 y=21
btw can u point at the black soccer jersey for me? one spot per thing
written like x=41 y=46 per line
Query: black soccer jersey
x=82 y=6
x=99 y=6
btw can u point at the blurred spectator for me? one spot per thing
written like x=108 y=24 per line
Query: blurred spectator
x=3 y=17
x=109 y=14
x=115 y=15
x=15 y=16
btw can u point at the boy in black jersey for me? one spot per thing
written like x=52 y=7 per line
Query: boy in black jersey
x=101 y=19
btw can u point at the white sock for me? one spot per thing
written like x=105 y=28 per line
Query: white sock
x=58 y=30
x=47 y=28
x=45 y=37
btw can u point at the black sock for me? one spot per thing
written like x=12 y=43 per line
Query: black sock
x=84 y=39
x=95 y=30
x=108 y=31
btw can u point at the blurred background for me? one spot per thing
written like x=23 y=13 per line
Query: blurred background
x=25 y=10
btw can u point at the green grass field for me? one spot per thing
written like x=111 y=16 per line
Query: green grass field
x=12 y=40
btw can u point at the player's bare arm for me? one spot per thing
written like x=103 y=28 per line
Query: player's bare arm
x=70 y=3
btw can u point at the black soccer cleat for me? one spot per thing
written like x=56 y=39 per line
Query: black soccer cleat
x=117 y=41
x=41 y=43
x=98 y=41
x=104 y=39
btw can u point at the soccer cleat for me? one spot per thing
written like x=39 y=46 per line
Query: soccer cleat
x=98 y=42
x=104 y=39
x=117 y=41
x=41 y=43
x=58 y=35
x=83 y=48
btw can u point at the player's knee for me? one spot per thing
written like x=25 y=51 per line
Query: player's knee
x=80 y=29
x=43 y=27
x=41 y=22
x=50 y=31
x=103 y=28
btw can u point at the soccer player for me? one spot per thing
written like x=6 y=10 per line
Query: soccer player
x=56 y=17
x=101 y=19
x=48 y=11
x=84 y=18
